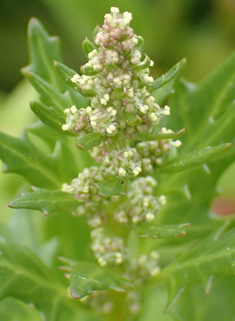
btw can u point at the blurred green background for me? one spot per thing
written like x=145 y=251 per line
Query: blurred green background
x=200 y=30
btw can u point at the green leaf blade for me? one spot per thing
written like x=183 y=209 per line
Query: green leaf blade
x=192 y=159
x=110 y=187
x=21 y=156
x=48 y=202
x=86 y=277
x=89 y=141
x=162 y=231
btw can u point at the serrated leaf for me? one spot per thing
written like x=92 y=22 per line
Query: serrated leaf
x=192 y=159
x=24 y=277
x=43 y=49
x=48 y=94
x=21 y=156
x=162 y=231
x=158 y=136
x=86 y=277
x=110 y=187
x=48 y=202
x=89 y=141
x=211 y=258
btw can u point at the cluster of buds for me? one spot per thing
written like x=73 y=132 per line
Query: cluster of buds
x=108 y=249
x=115 y=79
x=141 y=205
x=144 y=267
x=83 y=187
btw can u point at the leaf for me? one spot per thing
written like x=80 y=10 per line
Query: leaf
x=49 y=116
x=22 y=157
x=65 y=73
x=53 y=91
x=163 y=231
x=165 y=84
x=48 y=94
x=158 y=136
x=89 y=141
x=43 y=49
x=87 y=47
x=12 y=309
x=110 y=187
x=171 y=74
x=214 y=307
x=24 y=277
x=193 y=159
x=86 y=277
x=211 y=258
x=48 y=202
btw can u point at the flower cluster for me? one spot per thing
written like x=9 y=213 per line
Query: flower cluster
x=116 y=81
x=108 y=249
x=121 y=109
x=141 y=205
x=83 y=186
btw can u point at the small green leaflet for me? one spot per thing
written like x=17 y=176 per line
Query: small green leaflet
x=65 y=73
x=166 y=83
x=46 y=201
x=49 y=116
x=162 y=231
x=89 y=141
x=110 y=187
x=86 y=277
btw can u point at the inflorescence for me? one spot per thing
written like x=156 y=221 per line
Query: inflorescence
x=116 y=81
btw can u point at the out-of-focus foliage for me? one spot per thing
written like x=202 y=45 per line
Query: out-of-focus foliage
x=201 y=30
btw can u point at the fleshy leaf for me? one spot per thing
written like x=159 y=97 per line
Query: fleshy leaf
x=89 y=141
x=162 y=231
x=158 y=136
x=86 y=277
x=193 y=159
x=110 y=187
x=48 y=202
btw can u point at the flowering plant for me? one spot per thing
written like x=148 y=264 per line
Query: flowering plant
x=127 y=182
